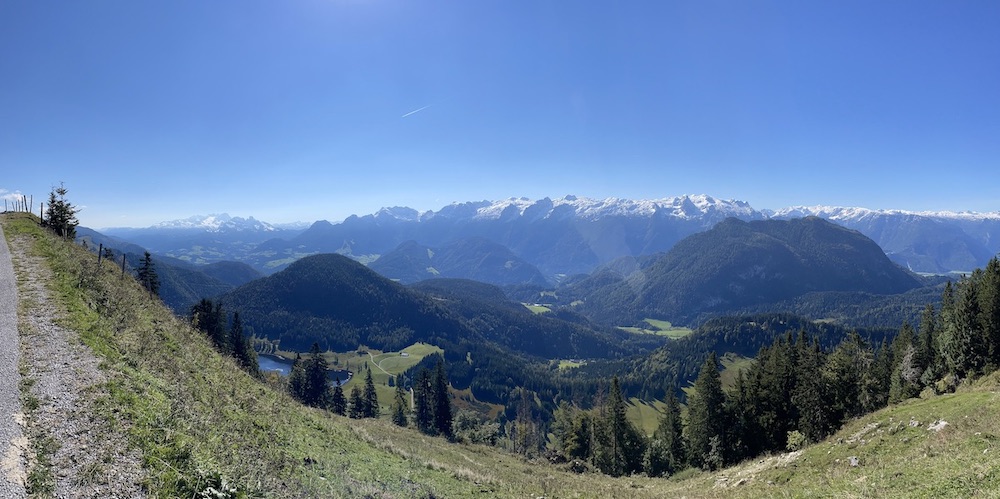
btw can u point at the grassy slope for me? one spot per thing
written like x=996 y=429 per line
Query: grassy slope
x=197 y=418
x=894 y=458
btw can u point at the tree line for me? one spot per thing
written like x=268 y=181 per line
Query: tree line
x=796 y=392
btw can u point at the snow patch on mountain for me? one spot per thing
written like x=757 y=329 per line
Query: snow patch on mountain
x=217 y=222
x=841 y=213
x=682 y=207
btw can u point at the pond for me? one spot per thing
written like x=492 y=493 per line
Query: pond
x=283 y=366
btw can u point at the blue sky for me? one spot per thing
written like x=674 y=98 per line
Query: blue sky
x=305 y=110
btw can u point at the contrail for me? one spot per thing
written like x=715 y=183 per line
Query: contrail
x=415 y=111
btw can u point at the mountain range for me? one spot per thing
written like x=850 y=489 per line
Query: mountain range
x=558 y=237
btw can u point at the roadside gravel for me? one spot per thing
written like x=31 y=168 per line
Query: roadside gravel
x=88 y=455
x=13 y=443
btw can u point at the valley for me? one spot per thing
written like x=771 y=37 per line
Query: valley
x=525 y=361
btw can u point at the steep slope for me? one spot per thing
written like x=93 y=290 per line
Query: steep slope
x=202 y=427
x=739 y=264
x=942 y=446
x=473 y=258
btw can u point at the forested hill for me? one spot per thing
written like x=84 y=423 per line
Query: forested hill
x=740 y=264
x=339 y=303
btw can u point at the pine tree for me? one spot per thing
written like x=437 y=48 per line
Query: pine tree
x=147 y=275
x=370 y=409
x=61 y=215
x=338 y=403
x=400 y=406
x=706 y=425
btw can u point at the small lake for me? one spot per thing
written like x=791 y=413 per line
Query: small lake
x=283 y=366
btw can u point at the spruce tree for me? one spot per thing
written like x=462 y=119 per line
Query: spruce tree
x=146 y=274
x=928 y=356
x=442 y=401
x=207 y=316
x=706 y=425
x=370 y=408
x=338 y=403
x=61 y=214
x=966 y=352
x=809 y=395
x=423 y=403
x=400 y=406
x=990 y=297
x=316 y=383
x=905 y=375
x=242 y=347
x=665 y=455
x=297 y=379
x=357 y=406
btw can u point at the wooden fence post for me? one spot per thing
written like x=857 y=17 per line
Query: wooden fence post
x=100 y=253
x=123 y=265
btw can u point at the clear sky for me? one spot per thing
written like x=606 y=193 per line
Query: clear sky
x=305 y=110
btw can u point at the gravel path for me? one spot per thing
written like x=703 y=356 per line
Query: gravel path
x=12 y=441
x=88 y=455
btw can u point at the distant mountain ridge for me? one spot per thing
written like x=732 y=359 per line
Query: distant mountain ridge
x=739 y=264
x=565 y=236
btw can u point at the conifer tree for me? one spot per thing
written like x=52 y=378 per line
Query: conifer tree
x=423 y=404
x=297 y=379
x=706 y=425
x=990 y=297
x=809 y=396
x=147 y=275
x=966 y=351
x=338 y=403
x=242 y=348
x=928 y=358
x=60 y=216
x=357 y=405
x=442 y=401
x=370 y=409
x=400 y=406
x=665 y=455
x=904 y=380
x=315 y=387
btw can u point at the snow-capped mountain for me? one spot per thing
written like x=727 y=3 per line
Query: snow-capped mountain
x=566 y=235
x=683 y=207
x=936 y=242
x=217 y=223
